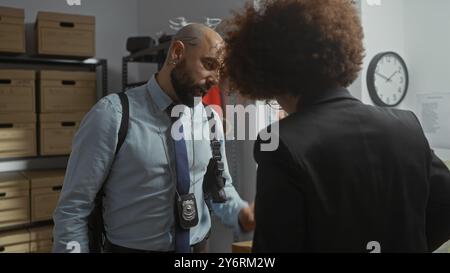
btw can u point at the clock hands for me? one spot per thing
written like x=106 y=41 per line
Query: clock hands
x=389 y=79
x=383 y=76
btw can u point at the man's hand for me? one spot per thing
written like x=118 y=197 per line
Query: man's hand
x=247 y=218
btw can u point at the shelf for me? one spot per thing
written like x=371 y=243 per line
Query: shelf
x=149 y=55
x=26 y=59
x=26 y=226
x=90 y=63
x=156 y=54
x=9 y=159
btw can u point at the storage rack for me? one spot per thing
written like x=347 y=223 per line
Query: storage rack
x=37 y=63
x=156 y=54
x=90 y=64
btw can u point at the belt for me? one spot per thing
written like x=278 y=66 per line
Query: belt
x=113 y=248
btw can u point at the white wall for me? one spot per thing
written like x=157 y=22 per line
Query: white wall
x=384 y=31
x=115 y=21
x=427 y=44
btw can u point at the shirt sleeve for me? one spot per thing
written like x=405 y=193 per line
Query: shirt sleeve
x=92 y=154
x=228 y=212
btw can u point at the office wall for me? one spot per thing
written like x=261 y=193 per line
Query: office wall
x=384 y=31
x=427 y=46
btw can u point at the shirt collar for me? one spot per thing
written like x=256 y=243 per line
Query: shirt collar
x=161 y=99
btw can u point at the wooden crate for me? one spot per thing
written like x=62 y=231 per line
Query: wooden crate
x=57 y=132
x=17 y=135
x=242 y=247
x=15 y=242
x=14 y=199
x=41 y=239
x=45 y=189
x=67 y=91
x=12 y=30
x=65 y=34
x=17 y=92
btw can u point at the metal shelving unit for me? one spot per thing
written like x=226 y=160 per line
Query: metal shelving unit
x=38 y=63
x=155 y=54
x=25 y=61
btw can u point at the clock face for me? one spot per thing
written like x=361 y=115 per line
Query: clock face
x=387 y=79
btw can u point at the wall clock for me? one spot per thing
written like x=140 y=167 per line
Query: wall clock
x=387 y=79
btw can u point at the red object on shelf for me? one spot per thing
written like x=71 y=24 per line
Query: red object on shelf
x=213 y=97
x=214 y=100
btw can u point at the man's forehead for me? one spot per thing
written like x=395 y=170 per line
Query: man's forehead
x=214 y=47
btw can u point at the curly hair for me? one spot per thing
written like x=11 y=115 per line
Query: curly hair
x=295 y=47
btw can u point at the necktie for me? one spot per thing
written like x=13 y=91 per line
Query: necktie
x=182 y=242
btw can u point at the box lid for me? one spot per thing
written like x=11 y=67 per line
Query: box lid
x=65 y=17
x=18 y=118
x=7 y=177
x=12 y=12
x=67 y=75
x=61 y=117
x=17 y=74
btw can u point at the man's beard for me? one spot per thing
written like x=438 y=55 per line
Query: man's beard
x=185 y=87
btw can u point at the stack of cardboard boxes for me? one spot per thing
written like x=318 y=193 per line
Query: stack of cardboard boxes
x=17 y=113
x=65 y=97
x=28 y=197
x=39 y=118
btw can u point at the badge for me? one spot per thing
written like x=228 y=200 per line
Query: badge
x=187 y=211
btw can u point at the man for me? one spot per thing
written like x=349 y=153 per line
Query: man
x=356 y=178
x=141 y=192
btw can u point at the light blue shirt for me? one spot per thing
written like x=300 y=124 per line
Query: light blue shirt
x=139 y=202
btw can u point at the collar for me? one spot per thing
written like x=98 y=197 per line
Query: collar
x=160 y=98
x=329 y=95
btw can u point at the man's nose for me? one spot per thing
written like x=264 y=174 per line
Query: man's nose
x=211 y=81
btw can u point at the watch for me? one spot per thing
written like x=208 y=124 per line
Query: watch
x=387 y=79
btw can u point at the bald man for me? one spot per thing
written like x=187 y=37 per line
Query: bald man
x=141 y=191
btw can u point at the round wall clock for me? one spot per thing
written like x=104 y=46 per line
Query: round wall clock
x=387 y=79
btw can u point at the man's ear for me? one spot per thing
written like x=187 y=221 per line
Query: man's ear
x=177 y=51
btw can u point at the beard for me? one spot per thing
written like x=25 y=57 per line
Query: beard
x=185 y=87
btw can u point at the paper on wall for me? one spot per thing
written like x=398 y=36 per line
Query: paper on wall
x=433 y=110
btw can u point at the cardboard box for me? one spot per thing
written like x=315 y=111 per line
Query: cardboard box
x=17 y=135
x=41 y=239
x=14 y=199
x=17 y=91
x=242 y=247
x=12 y=30
x=45 y=189
x=65 y=34
x=57 y=132
x=15 y=242
x=67 y=91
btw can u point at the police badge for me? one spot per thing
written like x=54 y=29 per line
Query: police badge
x=187 y=211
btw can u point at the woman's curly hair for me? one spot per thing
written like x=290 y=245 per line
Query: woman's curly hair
x=296 y=47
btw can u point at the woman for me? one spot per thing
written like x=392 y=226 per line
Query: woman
x=346 y=176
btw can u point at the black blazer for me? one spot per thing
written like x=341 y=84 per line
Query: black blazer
x=346 y=174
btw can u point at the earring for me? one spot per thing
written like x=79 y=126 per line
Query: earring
x=173 y=62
